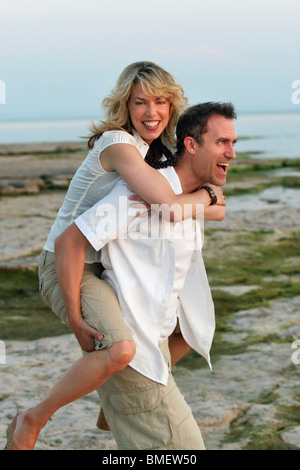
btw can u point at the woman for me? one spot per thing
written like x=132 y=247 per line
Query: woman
x=142 y=111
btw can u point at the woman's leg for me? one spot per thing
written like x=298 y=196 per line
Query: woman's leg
x=101 y=310
x=84 y=376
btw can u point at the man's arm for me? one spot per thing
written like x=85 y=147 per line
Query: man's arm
x=95 y=227
x=70 y=249
x=178 y=347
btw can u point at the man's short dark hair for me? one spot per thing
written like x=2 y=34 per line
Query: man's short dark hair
x=193 y=122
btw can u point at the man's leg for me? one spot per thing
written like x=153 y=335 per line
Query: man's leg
x=144 y=415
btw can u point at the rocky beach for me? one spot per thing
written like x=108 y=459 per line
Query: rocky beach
x=251 y=400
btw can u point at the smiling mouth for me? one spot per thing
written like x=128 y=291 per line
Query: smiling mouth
x=223 y=166
x=151 y=124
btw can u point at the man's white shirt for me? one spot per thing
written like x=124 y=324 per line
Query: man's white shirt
x=157 y=271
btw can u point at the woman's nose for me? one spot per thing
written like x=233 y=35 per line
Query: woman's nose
x=151 y=109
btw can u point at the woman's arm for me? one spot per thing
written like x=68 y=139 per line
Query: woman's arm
x=152 y=186
x=216 y=212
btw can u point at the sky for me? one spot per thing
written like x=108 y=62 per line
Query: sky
x=60 y=58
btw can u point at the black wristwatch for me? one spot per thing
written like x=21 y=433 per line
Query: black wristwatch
x=211 y=193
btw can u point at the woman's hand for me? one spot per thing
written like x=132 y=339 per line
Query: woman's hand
x=86 y=335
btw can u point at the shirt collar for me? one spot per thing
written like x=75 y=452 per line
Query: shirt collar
x=171 y=175
x=143 y=146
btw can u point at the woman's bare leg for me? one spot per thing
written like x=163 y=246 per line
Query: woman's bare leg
x=84 y=376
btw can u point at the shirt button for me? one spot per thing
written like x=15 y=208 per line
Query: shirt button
x=164 y=301
x=171 y=271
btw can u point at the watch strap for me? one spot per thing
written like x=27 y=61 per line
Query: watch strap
x=211 y=193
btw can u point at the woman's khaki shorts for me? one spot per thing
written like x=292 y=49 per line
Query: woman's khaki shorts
x=99 y=304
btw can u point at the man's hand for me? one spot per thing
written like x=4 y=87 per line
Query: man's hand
x=86 y=335
x=143 y=209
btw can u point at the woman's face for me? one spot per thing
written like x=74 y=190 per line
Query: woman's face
x=149 y=114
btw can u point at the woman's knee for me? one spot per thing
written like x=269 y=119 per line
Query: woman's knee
x=121 y=354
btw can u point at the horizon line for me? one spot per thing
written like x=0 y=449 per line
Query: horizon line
x=89 y=118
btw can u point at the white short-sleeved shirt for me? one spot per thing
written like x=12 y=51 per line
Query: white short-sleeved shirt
x=156 y=278
x=90 y=184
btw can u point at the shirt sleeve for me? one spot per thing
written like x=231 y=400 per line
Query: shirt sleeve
x=109 y=138
x=109 y=218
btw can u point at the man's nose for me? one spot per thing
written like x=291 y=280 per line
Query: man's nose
x=231 y=152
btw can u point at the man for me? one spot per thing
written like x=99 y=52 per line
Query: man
x=158 y=274
x=157 y=271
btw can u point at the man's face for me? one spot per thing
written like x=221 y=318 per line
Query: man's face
x=213 y=157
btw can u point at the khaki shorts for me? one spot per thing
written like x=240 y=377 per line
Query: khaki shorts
x=144 y=415
x=99 y=304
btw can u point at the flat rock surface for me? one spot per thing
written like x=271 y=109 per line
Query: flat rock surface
x=235 y=396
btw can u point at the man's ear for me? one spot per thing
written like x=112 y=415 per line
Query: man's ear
x=190 y=144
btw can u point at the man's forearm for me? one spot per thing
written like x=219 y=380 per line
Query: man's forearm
x=178 y=347
x=70 y=249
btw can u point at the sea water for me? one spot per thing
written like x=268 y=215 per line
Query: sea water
x=269 y=135
x=260 y=135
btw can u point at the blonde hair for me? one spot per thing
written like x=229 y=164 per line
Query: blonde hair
x=154 y=81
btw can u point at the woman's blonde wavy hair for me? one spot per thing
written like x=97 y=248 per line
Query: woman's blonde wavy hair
x=154 y=81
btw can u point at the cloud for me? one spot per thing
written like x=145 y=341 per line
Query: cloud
x=198 y=51
x=203 y=50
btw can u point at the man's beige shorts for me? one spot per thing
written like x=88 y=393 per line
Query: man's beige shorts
x=99 y=304
x=144 y=415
